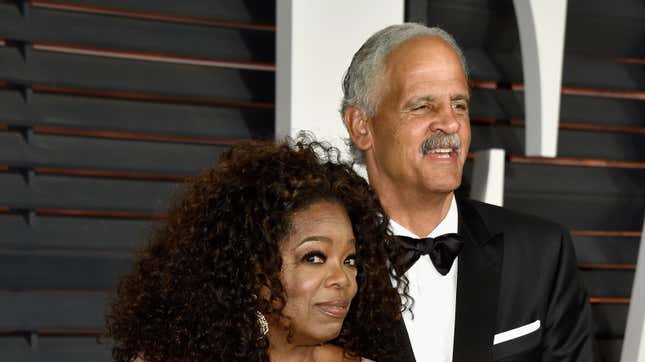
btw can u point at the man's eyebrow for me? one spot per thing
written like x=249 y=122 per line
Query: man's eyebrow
x=460 y=97
x=416 y=100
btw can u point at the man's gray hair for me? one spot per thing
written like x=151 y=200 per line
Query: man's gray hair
x=367 y=65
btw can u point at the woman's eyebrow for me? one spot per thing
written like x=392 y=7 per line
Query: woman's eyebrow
x=315 y=238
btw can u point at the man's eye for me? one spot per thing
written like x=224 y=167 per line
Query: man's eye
x=351 y=260
x=419 y=107
x=460 y=106
x=314 y=257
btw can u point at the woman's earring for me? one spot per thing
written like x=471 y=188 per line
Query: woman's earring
x=262 y=321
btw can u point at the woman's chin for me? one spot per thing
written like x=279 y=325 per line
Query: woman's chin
x=317 y=337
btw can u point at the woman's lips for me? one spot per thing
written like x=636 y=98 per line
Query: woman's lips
x=335 y=309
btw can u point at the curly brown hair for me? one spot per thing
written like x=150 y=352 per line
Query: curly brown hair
x=192 y=294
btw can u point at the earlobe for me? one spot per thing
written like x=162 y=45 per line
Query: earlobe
x=358 y=127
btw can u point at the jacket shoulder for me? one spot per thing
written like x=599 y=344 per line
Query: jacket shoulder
x=500 y=219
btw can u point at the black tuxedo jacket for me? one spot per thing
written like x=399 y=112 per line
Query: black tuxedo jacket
x=514 y=269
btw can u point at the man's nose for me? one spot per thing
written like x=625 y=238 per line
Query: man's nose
x=446 y=120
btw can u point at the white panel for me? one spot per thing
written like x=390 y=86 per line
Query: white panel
x=488 y=177
x=541 y=26
x=634 y=343
x=315 y=44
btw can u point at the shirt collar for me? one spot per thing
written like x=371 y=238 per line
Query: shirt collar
x=449 y=224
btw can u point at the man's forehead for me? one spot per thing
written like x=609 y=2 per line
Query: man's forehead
x=417 y=59
x=429 y=44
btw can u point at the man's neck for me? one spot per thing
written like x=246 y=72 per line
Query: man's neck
x=418 y=213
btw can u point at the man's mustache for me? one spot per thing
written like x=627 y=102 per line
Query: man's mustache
x=441 y=140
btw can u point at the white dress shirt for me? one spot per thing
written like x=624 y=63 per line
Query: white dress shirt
x=432 y=330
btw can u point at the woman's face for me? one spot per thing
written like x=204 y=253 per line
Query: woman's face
x=319 y=272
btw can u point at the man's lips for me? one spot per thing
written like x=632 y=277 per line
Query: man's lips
x=443 y=153
x=335 y=308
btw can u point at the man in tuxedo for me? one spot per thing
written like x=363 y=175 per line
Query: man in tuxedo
x=512 y=292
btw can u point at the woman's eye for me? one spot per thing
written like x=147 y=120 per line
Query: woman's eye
x=351 y=260
x=314 y=258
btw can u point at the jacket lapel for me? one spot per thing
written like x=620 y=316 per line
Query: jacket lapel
x=478 y=284
x=405 y=353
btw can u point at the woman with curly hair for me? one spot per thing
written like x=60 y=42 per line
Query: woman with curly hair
x=279 y=252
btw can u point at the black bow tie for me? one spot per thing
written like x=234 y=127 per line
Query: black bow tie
x=442 y=251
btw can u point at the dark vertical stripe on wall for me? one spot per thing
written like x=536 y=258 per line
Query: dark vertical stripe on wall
x=107 y=106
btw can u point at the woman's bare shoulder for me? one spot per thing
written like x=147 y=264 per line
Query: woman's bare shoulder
x=329 y=352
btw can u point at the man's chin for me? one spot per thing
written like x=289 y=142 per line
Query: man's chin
x=442 y=185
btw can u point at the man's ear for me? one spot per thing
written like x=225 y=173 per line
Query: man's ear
x=358 y=127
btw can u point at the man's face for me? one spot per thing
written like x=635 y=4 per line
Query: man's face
x=422 y=94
